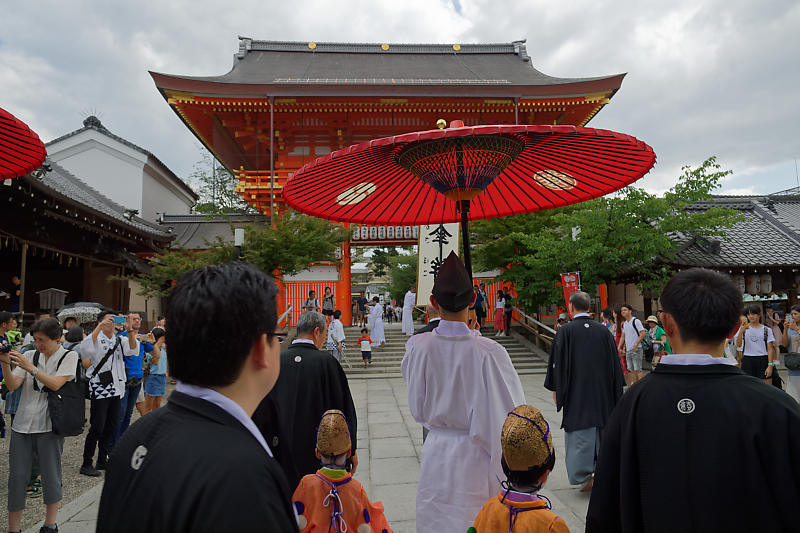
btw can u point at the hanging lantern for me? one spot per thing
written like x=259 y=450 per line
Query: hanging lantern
x=390 y=232
x=373 y=233
x=738 y=280
x=364 y=233
x=765 y=282
x=356 y=233
x=752 y=284
x=415 y=232
x=407 y=232
x=398 y=232
x=382 y=232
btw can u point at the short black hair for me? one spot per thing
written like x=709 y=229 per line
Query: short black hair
x=49 y=327
x=795 y=307
x=5 y=316
x=216 y=313
x=158 y=333
x=104 y=313
x=753 y=308
x=704 y=304
x=74 y=334
x=629 y=306
x=527 y=478
x=607 y=314
x=376 y=299
x=364 y=330
x=337 y=314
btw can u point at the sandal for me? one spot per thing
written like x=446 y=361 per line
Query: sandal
x=33 y=492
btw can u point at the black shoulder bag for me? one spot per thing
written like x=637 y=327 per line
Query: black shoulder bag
x=67 y=405
x=106 y=378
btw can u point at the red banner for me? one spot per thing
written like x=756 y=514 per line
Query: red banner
x=570 y=282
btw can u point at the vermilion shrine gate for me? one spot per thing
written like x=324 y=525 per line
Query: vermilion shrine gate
x=285 y=103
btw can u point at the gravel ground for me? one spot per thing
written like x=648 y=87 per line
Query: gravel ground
x=74 y=484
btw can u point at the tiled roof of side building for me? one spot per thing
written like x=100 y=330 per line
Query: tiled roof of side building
x=195 y=231
x=761 y=239
x=73 y=189
x=305 y=63
x=94 y=123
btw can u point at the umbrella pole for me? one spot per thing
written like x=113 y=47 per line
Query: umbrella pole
x=464 y=208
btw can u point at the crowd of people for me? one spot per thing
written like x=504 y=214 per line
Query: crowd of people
x=113 y=361
x=255 y=434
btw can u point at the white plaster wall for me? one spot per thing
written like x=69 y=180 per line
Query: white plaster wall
x=112 y=168
x=316 y=273
x=161 y=196
x=141 y=303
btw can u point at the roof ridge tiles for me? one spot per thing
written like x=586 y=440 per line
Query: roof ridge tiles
x=247 y=44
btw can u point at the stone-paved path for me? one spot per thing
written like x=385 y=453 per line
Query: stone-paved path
x=389 y=447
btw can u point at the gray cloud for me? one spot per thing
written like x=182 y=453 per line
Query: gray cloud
x=716 y=77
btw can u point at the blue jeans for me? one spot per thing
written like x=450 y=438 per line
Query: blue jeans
x=125 y=411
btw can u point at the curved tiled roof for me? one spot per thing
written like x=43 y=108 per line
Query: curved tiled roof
x=72 y=189
x=769 y=234
x=373 y=64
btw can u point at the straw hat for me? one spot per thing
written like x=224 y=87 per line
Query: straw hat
x=526 y=439
x=333 y=434
x=652 y=319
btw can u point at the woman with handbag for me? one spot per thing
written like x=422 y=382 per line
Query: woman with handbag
x=791 y=340
x=32 y=428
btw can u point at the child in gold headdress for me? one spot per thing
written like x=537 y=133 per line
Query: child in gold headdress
x=528 y=458
x=331 y=499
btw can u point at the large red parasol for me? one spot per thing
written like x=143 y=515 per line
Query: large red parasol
x=463 y=173
x=21 y=150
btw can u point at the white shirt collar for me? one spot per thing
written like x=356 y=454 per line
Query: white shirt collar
x=449 y=328
x=576 y=315
x=227 y=405
x=303 y=341
x=694 y=359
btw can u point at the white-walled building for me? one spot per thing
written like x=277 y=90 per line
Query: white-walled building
x=122 y=171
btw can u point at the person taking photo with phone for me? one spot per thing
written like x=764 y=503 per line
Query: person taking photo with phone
x=104 y=352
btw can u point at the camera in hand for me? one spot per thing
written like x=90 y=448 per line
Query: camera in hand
x=5 y=348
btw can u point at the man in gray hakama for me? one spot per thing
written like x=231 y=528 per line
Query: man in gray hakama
x=586 y=379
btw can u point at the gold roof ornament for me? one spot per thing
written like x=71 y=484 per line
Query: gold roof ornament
x=312 y=45
x=384 y=47
x=456 y=47
x=526 y=439
x=441 y=123
x=333 y=434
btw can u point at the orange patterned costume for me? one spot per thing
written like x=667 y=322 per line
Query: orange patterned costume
x=512 y=514
x=330 y=502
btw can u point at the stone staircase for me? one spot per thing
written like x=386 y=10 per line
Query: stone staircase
x=386 y=361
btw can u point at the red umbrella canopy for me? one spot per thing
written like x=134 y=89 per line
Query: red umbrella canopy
x=421 y=178
x=21 y=150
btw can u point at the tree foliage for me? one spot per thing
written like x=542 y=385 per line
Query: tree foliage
x=403 y=274
x=630 y=235
x=381 y=260
x=216 y=188
x=296 y=242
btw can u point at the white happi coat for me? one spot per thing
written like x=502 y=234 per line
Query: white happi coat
x=408 y=315
x=461 y=386
x=376 y=324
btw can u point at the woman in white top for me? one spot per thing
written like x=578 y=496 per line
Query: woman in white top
x=499 y=314
x=757 y=343
x=32 y=429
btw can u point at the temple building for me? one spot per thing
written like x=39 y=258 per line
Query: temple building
x=285 y=103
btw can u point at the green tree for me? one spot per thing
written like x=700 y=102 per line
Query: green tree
x=630 y=235
x=216 y=188
x=403 y=274
x=381 y=260
x=296 y=242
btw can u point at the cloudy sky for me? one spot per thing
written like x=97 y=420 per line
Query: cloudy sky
x=705 y=77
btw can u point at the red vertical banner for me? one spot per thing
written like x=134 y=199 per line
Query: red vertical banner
x=602 y=290
x=570 y=282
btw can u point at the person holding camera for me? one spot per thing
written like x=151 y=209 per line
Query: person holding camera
x=105 y=352
x=48 y=367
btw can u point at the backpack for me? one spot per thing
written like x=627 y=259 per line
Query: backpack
x=647 y=341
x=67 y=405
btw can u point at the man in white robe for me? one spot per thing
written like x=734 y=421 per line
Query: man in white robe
x=461 y=387
x=408 y=307
x=376 y=323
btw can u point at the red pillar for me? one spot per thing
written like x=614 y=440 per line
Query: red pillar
x=343 y=289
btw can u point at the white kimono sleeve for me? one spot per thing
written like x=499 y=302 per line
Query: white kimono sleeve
x=498 y=392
